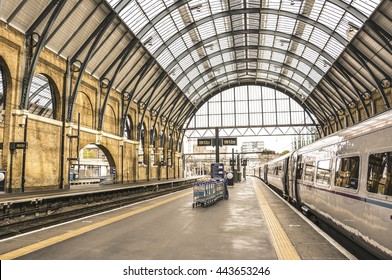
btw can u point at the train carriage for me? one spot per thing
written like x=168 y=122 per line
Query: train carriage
x=345 y=180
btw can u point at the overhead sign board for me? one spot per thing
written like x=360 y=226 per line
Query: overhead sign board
x=229 y=141
x=222 y=141
x=204 y=142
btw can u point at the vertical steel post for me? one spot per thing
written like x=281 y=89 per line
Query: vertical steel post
x=24 y=155
x=232 y=160
x=78 y=145
x=11 y=169
x=216 y=144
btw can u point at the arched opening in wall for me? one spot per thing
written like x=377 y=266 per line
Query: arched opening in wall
x=142 y=154
x=5 y=82
x=42 y=97
x=84 y=106
x=96 y=166
x=110 y=124
x=162 y=145
x=128 y=129
x=170 y=150
x=154 y=150
x=3 y=88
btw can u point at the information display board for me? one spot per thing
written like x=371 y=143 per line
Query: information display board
x=217 y=170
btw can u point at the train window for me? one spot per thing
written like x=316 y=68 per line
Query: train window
x=309 y=171
x=347 y=172
x=380 y=173
x=323 y=174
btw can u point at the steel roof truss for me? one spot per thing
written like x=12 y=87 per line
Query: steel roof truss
x=363 y=61
x=35 y=49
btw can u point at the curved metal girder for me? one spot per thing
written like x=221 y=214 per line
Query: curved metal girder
x=343 y=71
x=300 y=17
x=174 y=103
x=385 y=36
x=95 y=37
x=245 y=71
x=183 y=115
x=54 y=32
x=139 y=75
x=355 y=52
x=333 y=84
x=108 y=53
x=335 y=76
x=154 y=86
x=121 y=61
x=121 y=57
x=350 y=9
x=331 y=109
x=166 y=94
x=262 y=48
x=251 y=31
x=31 y=63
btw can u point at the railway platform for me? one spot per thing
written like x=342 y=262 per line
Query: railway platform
x=254 y=224
x=76 y=189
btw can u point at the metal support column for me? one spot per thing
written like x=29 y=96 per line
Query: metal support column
x=216 y=144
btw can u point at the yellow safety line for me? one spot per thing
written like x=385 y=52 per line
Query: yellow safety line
x=56 y=239
x=283 y=247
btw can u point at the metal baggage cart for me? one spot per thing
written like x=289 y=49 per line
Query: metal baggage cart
x=207 y=193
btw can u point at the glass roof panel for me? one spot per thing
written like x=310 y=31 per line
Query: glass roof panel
x=207 y=30
x=286 y=24
x=331 y=15
x=165 y=58
x=166 y=28
x=177 y=18
x=152 y=8
x=220 y=25
x=216 y=60
x=178 y=46
x=186 y=61
x=199 y=9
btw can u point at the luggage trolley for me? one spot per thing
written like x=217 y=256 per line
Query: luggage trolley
x=207 y=193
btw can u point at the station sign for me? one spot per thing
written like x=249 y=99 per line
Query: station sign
x=222 y=141
x=204 y=142
x=229 y=141
x=18 y=145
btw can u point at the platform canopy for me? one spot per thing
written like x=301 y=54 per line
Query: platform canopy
x=171 y=56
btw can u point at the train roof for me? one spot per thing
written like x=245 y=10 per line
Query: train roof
x=279 y=158
x=377 y=122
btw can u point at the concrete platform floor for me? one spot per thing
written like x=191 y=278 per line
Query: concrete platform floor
x=169 y=228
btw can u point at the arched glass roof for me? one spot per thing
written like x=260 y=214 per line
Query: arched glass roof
x=204 y=44
x=333 y=57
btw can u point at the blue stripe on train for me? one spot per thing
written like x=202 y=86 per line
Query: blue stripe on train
x=363 y=199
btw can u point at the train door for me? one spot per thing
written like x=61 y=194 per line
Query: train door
x=298 y=169
x=266 y=174
x=286 y=171
x=291 y=174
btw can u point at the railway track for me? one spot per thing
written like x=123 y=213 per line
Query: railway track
x=22 y=219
